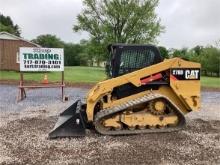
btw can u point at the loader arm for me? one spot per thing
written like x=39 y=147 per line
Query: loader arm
x=105 y=87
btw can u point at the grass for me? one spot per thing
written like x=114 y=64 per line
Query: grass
x=71 y=74
x=79 y=74
x=213 y=82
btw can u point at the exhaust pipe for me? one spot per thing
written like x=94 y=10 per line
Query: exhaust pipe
x=70 y=122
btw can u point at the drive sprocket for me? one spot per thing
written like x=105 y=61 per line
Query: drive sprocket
x=157 y=107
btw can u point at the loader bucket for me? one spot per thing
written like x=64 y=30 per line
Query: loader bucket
x=70 y=123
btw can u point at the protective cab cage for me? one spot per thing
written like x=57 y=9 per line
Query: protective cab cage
x=128 y=58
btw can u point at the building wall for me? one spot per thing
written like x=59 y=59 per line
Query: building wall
x=8 y=53
x=1 y=53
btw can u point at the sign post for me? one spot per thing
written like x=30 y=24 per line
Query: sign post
x=40 y=60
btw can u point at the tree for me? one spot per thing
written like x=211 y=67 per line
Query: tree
x=198 y=49
x=210 y=60
x=48 y=40
x=163 y=52
x=182 y=53
x=122 y=21
x=72 y=54
x=96 y=51
x=6 y=24
x=91 y=52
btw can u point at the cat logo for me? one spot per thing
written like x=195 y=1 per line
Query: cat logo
x=185 y=73
x=192 y=74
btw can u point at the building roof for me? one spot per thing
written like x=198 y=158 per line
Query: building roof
x=9 y=36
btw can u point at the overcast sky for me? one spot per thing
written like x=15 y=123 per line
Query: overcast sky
x=187 y=22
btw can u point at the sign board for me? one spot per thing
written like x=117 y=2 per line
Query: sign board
x=41 y=59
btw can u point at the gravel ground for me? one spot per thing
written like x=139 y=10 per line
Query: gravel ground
x=24 y=128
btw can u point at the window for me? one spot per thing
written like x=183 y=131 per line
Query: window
x=132 y=60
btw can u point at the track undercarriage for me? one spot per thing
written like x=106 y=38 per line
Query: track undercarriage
x=147 y=114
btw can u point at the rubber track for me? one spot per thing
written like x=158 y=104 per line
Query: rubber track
x=103 y=114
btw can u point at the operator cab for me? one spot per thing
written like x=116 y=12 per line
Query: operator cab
x=126 y=58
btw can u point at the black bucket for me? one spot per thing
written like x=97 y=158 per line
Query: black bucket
x=70 y=122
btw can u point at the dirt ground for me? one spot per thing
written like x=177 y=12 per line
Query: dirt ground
x=23 y=140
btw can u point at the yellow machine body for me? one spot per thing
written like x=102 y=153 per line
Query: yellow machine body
x=185 y=94
x=148 y=110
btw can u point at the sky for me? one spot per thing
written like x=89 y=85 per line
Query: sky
x=187 y=22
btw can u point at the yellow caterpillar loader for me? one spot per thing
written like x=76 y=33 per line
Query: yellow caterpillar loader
x=144 y=94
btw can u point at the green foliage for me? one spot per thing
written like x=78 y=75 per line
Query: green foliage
x=183 y=53
x=209 y=57
x=6 y=24
x=72 y=54
x=197 y=50
x=49 y=41
x=93 y=51
x=119 y=21
x=210 y=60
x=163 y=51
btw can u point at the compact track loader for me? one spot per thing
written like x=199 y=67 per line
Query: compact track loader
x=144 y=93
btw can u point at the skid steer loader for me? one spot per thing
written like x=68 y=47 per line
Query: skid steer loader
x=144 y=94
